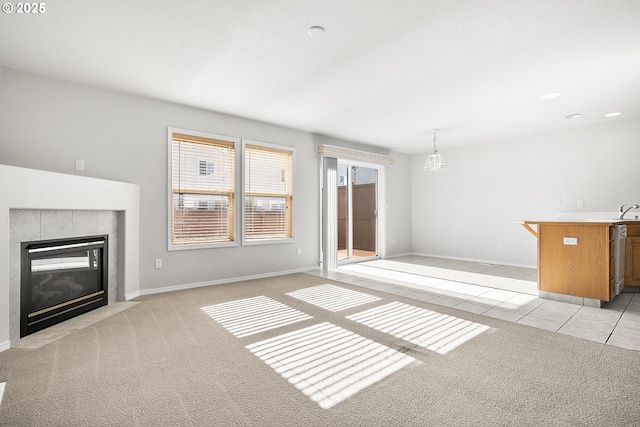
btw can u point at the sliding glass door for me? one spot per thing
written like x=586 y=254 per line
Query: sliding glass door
x=357 y=212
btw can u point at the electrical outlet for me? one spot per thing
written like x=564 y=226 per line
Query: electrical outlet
x=158 y=263
x=79 y=165
x=558 y=200
x=581 y=203
x=298 y=251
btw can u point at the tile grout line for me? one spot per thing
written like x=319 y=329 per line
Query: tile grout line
x=618 y=321
x=571 y=317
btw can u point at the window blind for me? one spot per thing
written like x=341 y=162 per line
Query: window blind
x=268 y=193
x=202 y=190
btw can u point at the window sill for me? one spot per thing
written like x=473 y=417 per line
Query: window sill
x=274 y=241
x=202 y=246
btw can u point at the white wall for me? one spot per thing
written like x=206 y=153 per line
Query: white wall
x=399 y=184
x=467 y=209
x=47 y=124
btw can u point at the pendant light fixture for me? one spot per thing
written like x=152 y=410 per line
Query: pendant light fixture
x=434 y=161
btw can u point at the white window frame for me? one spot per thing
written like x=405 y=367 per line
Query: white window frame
x=236 y=219
x=241 y=199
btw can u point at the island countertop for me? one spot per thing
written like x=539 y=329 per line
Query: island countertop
x=576 y=221
x=566 y=221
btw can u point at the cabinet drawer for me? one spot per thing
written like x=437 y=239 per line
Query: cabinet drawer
x=633 y=230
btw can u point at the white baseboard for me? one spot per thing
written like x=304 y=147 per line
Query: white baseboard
x=5 y=346
x=132 y=295
x=399 y=255
x=476 y=260
x=219 y=282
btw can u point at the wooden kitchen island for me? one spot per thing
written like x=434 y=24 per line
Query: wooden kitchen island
x=576 y=260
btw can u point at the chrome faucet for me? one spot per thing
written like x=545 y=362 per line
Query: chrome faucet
x=623 y=211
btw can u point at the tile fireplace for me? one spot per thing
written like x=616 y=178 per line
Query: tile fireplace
x=46 y=233
x=44 y=205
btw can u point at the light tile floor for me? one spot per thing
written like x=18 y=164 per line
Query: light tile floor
x=504 y=292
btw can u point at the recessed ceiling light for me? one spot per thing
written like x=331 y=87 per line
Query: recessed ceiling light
x=574 y=116
x=551 y=95
x=615 y=113
x=316 y=31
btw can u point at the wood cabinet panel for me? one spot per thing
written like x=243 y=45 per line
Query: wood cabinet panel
x=632 y=262
x=580 y=270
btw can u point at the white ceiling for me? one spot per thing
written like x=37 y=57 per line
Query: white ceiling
x=386 y=72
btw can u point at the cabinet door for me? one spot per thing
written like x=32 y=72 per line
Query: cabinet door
x=581 y=270
x=632 y=262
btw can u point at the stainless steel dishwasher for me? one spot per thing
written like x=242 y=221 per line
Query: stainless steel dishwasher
x=619 y=236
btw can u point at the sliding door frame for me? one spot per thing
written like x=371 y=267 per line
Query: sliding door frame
x=329 y=210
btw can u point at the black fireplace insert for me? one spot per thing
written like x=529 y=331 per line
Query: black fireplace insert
x=61 y=279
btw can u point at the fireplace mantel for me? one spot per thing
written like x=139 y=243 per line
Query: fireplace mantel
x=36 y=189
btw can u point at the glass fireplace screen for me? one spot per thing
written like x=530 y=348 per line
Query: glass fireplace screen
x=61 y=279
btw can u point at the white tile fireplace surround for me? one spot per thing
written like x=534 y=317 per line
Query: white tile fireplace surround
x=43 y=205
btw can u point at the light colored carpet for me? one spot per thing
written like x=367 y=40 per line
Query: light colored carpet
x=177 y=359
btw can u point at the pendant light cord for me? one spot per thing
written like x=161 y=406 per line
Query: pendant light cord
x=435 y=149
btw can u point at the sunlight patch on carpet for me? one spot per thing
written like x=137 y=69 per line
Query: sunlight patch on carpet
x=428 y=329
x=2 y=386
x=332 y=298
x=328 y=363
x=253 y=315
